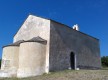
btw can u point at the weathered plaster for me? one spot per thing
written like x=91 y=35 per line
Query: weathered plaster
x=10 y=59
x=33 y=27
x=31 y=59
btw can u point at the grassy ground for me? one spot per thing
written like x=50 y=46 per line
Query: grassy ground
x=105 y=68
x=70 y=75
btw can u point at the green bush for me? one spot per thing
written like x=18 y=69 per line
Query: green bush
x=0 y=63
x=104 y=61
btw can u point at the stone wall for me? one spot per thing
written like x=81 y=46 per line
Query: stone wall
x=65 y=40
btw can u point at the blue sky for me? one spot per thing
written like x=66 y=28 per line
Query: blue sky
x=90 y=15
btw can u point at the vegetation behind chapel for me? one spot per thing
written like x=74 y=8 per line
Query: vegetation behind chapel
x=104 y=61
x=0 y=63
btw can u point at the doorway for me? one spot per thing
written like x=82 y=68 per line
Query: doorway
x=72 y=60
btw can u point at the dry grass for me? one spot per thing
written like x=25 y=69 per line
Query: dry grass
x=70 y=75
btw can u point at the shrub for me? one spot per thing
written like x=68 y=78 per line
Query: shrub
x=104 y=61
x=0 y=63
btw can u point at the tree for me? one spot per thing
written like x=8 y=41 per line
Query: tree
x=0 y=63
x=104 y=61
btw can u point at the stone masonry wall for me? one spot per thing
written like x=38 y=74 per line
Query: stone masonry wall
x=65 y=40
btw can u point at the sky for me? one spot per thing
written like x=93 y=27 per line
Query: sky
x=90 y=15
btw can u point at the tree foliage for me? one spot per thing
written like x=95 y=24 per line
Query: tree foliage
x=0 y=62
x=104 y=61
